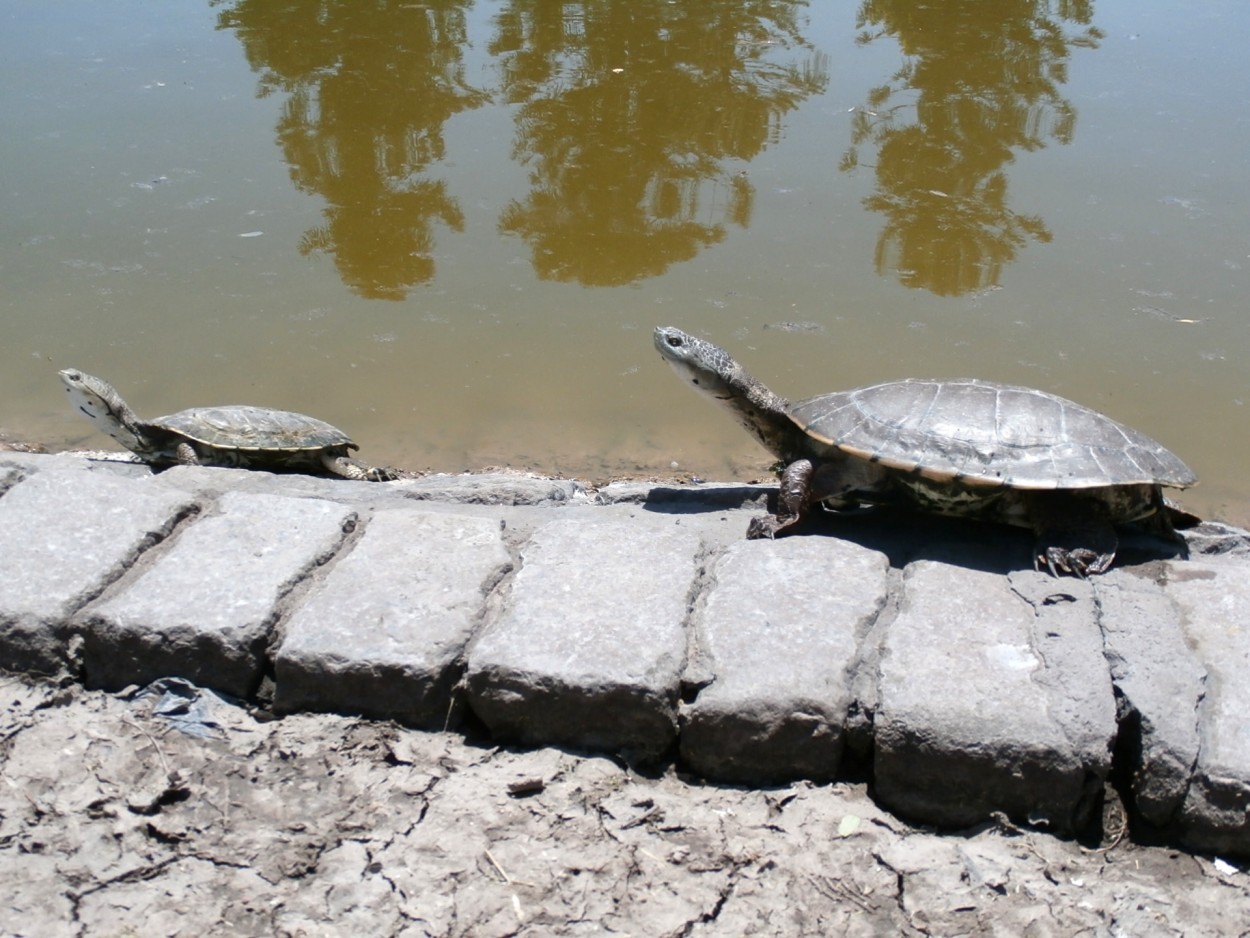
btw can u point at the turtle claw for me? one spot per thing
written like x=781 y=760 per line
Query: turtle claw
x=1079 y=561
x=383 y=474
x=763 y=527
x=360 y=471
x=1073 y=542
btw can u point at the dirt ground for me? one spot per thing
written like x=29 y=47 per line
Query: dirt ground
x=171 y=812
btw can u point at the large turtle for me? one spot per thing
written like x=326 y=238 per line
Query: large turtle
x=236 y=435
x=963 y=447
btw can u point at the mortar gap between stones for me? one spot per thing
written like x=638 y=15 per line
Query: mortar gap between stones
x=155 y=545
x=863 y=680
x=1130 y=743
x=291 y=597
x=11 y=476
x=696 y=672
x=496 y=590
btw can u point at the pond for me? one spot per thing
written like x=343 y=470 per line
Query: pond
x=450 y=227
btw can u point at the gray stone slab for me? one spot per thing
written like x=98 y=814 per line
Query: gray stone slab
x=384 y=634
x=65 y=534
x=778 y=636
x=1214 y=599
x=590 y=649
x=9 y=477
x=1215 y=539
x=126 y=465
x=1160 y=684
x=204 y=608
x=994 y=696
x=213 y=481
x=494 y=488
x=701 y=496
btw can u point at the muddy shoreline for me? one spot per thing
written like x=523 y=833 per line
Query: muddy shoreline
x=161 y=813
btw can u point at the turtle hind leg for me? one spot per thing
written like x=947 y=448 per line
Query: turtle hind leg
x=1069 y=552
x=1073 y=534
x=1167 y=518
x=1161 y=526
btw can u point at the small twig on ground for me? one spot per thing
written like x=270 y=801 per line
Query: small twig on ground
x=498 y=869
x=508 y=880
x=451 y=706
x=832 y=889
x=1107 y=848
x=152 y=740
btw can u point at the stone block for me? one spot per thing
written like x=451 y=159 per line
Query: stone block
x=779 y=636
x=590 y=649
x=65 y=534
x=384 y=633
x=994 y=697
x=692 y=497
x=1214 y=601
x=494 y=488
x=203 y=609
x=1160 y=684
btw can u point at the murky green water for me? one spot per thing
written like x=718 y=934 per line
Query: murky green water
x=449 y=227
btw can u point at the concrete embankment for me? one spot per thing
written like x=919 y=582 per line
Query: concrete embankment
x=925 y=655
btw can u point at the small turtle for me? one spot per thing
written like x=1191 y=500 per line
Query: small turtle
x=961 y=447
x=237 y=435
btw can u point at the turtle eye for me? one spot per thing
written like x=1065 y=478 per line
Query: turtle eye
x=674 y=341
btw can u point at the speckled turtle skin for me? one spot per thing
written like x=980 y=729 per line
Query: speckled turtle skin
x=959 y=447
x=232 y=436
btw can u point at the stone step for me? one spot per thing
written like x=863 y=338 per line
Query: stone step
x=994 y=696
x=64 y=536
x=384 y=633
x=590 y=648
x=204 y=609
x=779 y=639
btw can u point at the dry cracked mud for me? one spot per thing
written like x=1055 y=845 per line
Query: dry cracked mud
x=172 y=812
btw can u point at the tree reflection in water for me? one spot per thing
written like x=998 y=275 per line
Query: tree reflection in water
x=627 y=112
x=625 y=115
x=370 y=86
x=981 y=81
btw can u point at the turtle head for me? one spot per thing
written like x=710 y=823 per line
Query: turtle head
x=706 y=367
x=96 y=400
x=712 y=371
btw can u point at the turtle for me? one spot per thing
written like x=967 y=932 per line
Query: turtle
x=234 y=435
x=961 y=447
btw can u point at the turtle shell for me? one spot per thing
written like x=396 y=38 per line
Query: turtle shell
x=984 y=434
x=261 y=429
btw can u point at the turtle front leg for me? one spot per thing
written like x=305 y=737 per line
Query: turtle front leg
x=186 y=454
x=792 y=500
x=383 y=474
x=348 y=468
